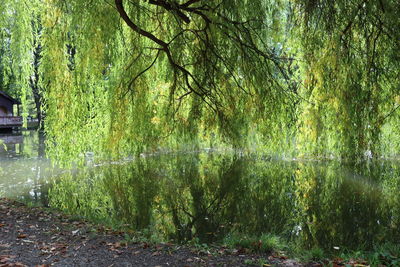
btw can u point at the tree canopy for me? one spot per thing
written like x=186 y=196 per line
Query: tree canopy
x=313 y=78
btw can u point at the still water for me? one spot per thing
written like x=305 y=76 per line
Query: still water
x=24 y=170
x=210 y=195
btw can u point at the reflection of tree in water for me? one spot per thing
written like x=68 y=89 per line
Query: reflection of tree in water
x=26 y=170
x=41 y=192
x=207 y=196
x=340 y=208
x=132 y=189
x=200 y=193
x=223 y=194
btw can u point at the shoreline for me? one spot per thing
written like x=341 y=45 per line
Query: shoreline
x=36 y=236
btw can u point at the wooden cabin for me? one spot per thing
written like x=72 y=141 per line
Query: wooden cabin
x=9 y=112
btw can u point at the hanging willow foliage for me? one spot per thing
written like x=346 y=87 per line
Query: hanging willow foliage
x=125 y=77
x=311 y=78
x=15 y=45
x=351 y=75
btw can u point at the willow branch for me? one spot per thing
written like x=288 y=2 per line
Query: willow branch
x=170 y=7
x=133 y=26
x=189 y=3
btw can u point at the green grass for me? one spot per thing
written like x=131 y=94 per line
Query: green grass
x=314 y=254
x=264 y=243
x=385 y=254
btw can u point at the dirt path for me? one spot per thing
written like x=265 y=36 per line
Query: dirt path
x=37 y=237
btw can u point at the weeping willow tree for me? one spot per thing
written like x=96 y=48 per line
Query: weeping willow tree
x=350 y=75
x=125 y=77
x=312 y=78
x=16 y=40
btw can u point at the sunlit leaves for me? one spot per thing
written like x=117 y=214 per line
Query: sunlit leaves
x=292 y=78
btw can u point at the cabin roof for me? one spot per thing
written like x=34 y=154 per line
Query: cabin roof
x=13 y=100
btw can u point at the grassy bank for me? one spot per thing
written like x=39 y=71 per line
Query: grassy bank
x=385 y=254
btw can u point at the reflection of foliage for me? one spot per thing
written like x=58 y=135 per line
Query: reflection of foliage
x=338 y=206
x=208 y=196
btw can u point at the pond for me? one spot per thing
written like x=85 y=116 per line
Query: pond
x=24 y=170
x=211 y=195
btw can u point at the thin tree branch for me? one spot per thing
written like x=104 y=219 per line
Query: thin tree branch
x=133 y=26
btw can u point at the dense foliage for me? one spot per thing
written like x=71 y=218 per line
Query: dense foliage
x=313 y=78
